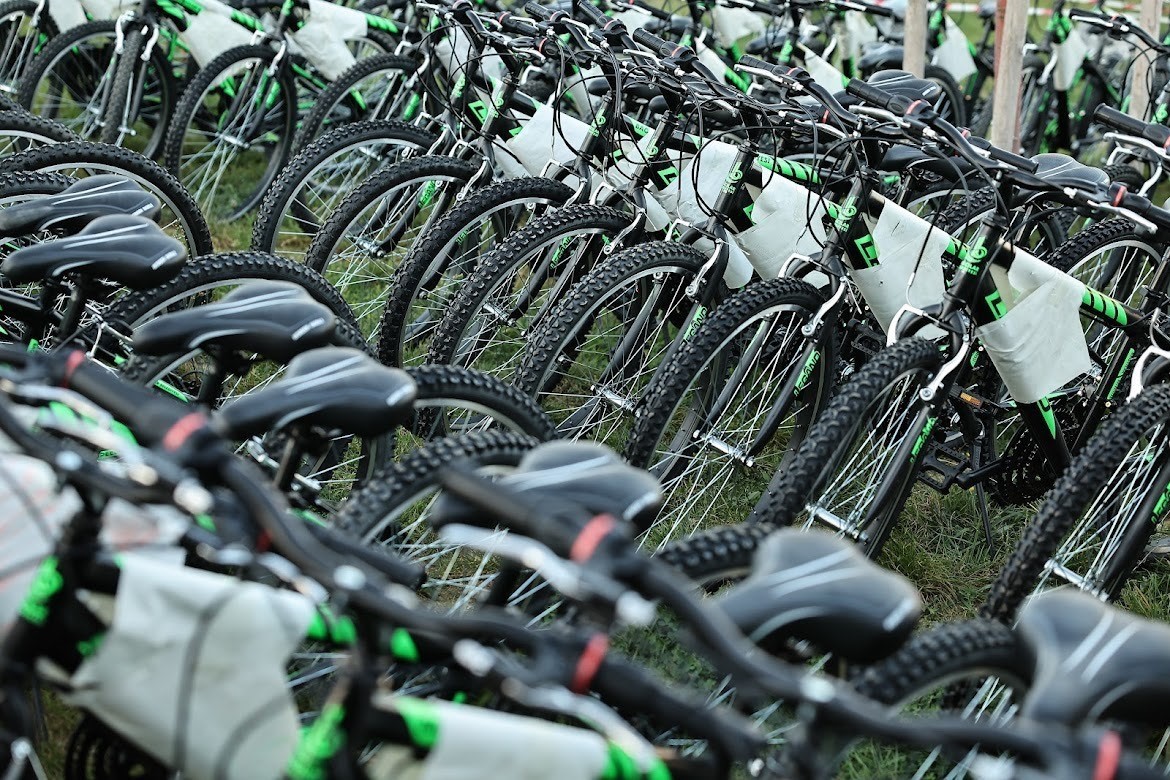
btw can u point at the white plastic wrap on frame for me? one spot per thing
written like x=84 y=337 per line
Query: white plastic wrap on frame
x=322 y=39
x=107 y=9
x=36 y=512
x=903 y=242
x=455 y=53
x=711 y=59
x=576 y=86
x=855 y=33
x=540 y=141
x=66 y=14
x=211 y=32
x=193 y=670
x=620 y=174
x=696 y=190
x=822 y=70
x=1069 y=56
x=731 y=24
x=475 y=743
x=1038 y=346
x=788 y=220
x=954 y=54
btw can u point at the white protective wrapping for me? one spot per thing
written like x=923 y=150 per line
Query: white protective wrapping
x=66 y=14
x=32 y=512
x=687 y=201
x=954 y=54
x=633 y=18
x=107 y=9
x=731 y=24
x=193 y=670
x=855 y=33
x=900 y=239
x=1069 y=56
x=822 y=70
x=711 y=59
x=474 y=743
x=322 y=39
x=541 y=141
x=211 y=32
x=788 y=220
x=455 y=52
x=577 y=88
x=1038 y=346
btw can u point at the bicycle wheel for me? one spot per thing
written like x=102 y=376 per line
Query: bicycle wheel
x=974 y=669
x=453 y=400
x=180 y=216
x=67 y=79
x=21 y=131
x=71 y=82
x=380 y=87
x=1092 y=529
x=392 y=511
x=733 y=405
x=504 y=300
x=855 y=468
x=141 y=97
x=321 y=174
x=24 y=29
x=591 y=360
x=432 y=272
x=232 y=130
x=365 y=238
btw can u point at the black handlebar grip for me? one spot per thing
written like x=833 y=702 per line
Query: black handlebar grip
x=1123 y=123
x=538 y=11
x=878 y=96
x=748 y=61
x=1139 y=205
x=657 y=45
x=1025 y=164
x=591 y=13
x=516 y=25
x=153 y=418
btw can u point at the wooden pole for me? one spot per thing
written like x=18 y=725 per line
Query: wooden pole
x=1011 y=26
x=914 y=37
x=1151 y=21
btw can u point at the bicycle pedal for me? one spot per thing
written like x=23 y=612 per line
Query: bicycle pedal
x=942 y=465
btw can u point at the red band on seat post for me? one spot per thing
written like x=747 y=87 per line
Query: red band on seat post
x=182 y=430
x=1108 y=756
x=591 y=535
x=72 y=363
x=589 y=663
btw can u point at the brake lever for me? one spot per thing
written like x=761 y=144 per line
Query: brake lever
x=579 y=583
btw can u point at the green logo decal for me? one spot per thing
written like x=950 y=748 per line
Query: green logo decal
x=922 y=437
x=46 y=582
x=700 y=315
x=318 y=744
x=806 y=372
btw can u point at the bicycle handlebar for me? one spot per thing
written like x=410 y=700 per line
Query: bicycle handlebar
x=1156 y=134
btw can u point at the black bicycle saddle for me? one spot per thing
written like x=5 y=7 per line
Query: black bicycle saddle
x=77 y=205
x=277 y=320
x=1060 y=170
x=584 y=474
x=131 y=251
x=337 y=388
x=818 y=588
x=1093 y=662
